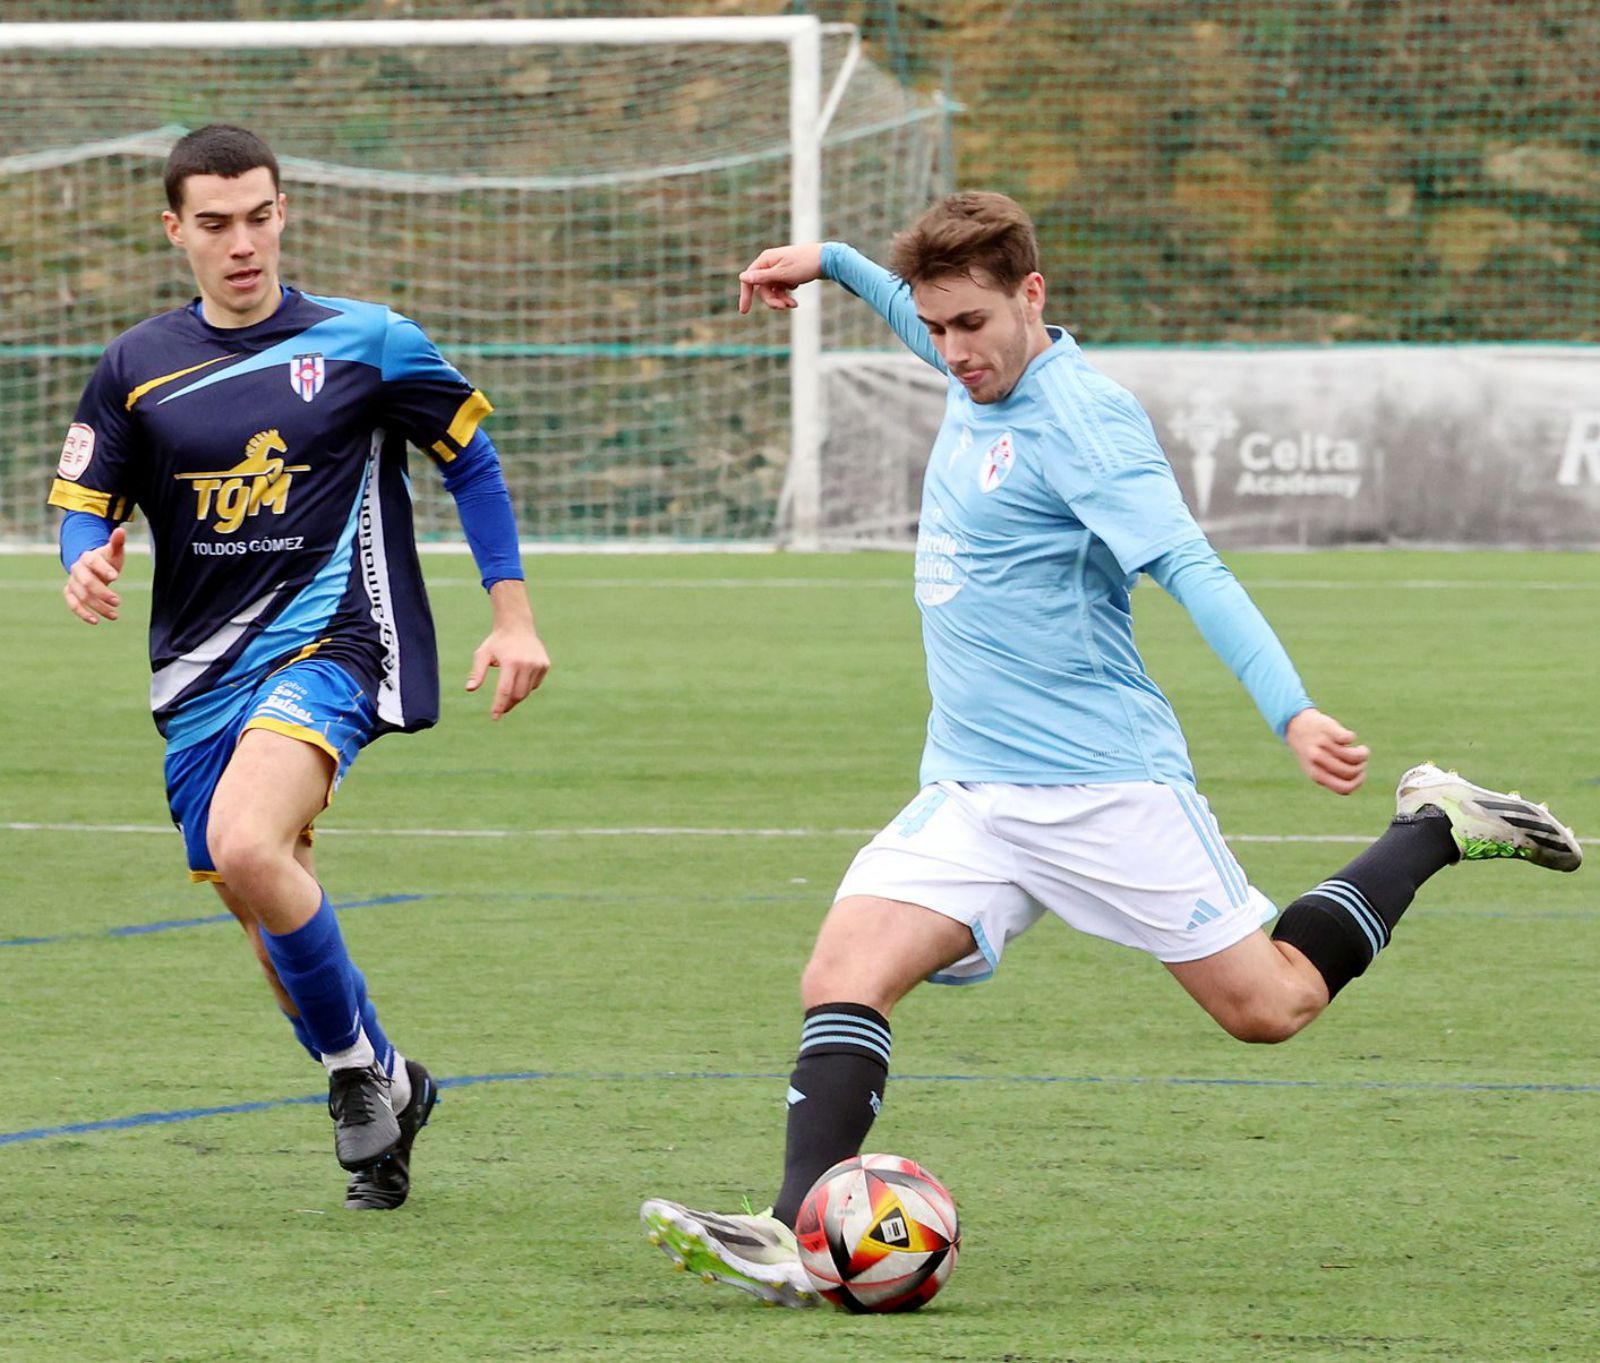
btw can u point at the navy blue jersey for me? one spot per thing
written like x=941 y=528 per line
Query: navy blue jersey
x=270 y=462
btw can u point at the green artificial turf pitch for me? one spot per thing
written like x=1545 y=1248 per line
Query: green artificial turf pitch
x=1412 y=1179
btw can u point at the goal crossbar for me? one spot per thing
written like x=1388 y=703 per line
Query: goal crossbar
x=324 y=33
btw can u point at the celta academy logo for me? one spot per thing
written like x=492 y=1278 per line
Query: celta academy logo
x=260 y=481
x=1203 y=425
x=1303 y=463
x=306 y=375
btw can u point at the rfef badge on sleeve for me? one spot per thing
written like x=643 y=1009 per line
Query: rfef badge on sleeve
x=76 y=452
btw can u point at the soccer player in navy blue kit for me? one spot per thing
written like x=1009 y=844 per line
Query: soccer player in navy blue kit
x=262 y=432
x=1055 y=777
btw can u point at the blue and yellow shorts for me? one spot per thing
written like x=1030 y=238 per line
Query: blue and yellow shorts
x=315 y=701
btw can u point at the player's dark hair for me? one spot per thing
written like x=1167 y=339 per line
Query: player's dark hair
x=217 y=149
x=966 y=233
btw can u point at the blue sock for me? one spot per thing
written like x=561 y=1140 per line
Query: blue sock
x=317 y=974
x=370 y=1024
x=303 y=1037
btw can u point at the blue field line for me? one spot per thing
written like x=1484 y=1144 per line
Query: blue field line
x=519 y=896
x=141 y=1119
x=170 y=924
x=190 y=1114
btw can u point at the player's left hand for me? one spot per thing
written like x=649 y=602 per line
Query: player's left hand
x=1327 y=751
x=519 y=653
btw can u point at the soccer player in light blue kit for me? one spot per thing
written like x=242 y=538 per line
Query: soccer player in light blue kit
x=1055 y=777
x=263 y=431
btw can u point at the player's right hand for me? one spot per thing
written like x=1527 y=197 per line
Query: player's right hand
x=88 y=590
x=777 y=270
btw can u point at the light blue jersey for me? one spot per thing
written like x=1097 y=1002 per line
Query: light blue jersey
x=1038 y=512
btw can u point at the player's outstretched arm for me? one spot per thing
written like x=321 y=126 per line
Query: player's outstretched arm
x=778 y=270
x=1327 y=751
x=513 y=646
x=1238 y=633
x=88 y=591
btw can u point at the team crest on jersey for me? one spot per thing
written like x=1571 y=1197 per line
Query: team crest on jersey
x=76 y=452
x=306 y=373
x=996 y=463
x=258 y=482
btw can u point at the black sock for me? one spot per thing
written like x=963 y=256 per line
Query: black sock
x=1343 y=923
x=834 y=1094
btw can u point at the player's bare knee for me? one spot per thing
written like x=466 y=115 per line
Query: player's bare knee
x=844 y=968
x=831 y=976
x=1260 y=1027
x=241 y=855
x=1267 y=1021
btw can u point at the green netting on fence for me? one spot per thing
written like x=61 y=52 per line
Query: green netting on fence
x=566 y=220
x=1229 y=170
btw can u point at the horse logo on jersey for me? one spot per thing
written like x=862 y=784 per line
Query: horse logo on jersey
x=260 y=480
x=306 y=374
x=996 y=463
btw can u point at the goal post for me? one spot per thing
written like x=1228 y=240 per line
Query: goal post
x=562 y=204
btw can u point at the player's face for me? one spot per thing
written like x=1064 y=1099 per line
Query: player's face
x=229 y=229
x=986 y=334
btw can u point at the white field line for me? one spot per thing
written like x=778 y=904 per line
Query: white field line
x=640 y=831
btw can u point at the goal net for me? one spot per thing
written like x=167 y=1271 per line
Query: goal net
x=562 y=205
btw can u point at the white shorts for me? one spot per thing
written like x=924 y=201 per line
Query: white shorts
x=1134 y=862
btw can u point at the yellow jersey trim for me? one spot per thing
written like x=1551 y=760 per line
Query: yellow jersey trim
x=301 y=656
x=71 y=497
x=445 y=453
x=471 y=412
x=152 y=384
x=288 y=730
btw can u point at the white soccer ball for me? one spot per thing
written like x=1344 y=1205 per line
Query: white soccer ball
x=878 y=1233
